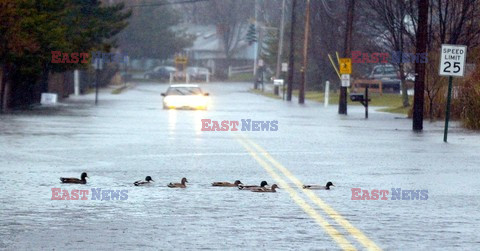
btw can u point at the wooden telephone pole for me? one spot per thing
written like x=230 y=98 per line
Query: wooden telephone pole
x=342 y=102
x=301 y=92
x=422 y=35
x=291 y=59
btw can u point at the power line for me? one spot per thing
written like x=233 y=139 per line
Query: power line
x=165 y=3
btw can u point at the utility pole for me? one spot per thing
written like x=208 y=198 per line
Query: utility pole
x=301 y=93
x=255 y=56
x=422 y=35
x=342 y=102
x=291 y=59
x=280 y=41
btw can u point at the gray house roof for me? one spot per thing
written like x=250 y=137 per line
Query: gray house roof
x=209 y=45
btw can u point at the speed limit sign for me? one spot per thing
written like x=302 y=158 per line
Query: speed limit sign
x=452 y=64
x=452 y=60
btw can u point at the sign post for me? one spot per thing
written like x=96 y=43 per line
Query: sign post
x=345 y=80
x=98 y=66
x=452 y=64
x=345 y=68
x=284 y=70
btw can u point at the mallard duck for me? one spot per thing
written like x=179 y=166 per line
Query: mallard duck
x=143 y=182
x=227 y=184
x=179 y=185
x=82 y=179
x=319 y=187
x=266 y=190
x=250 y=187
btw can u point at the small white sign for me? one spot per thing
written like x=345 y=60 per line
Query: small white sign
x=98 y=64
x=278 y=82
x=260 y=62
x=284 y=67
x=345 y=80
x=452 y=60
x=48 y=99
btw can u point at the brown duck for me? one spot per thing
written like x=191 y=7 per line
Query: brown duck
x=266 y=190
x=179 y=185
x=82 y=179
x=227 y=184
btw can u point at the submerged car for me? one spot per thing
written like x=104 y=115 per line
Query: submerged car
x=185 y=96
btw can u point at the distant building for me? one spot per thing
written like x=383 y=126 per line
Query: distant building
x=208 y=48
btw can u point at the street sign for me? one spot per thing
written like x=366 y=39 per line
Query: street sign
x=284 y=67
x=278 y=82
x=260 y=62
x=345 y=66
x=48 y=98
x=345 y=80
x=452 y=60
x=180 y=60
x=98 y=64
x=452 y=64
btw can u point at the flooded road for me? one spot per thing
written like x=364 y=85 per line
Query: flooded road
x=130 y=136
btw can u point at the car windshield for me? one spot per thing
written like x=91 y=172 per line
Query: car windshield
x=378 y=71
x=390 y=70
x=184 y=91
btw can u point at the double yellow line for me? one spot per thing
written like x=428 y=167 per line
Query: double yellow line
x=256 y=151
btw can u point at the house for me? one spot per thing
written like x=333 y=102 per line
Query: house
x=208 y=48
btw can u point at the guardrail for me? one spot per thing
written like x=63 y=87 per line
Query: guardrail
x=375 y=85
x=173 y=78
x=239 y=69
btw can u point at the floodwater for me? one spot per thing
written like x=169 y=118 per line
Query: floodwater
x=129 y=136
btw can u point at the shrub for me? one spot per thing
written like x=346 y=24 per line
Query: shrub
x=470 y=100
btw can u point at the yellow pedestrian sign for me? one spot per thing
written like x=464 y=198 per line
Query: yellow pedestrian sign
x=345 y=66
x=180 y=60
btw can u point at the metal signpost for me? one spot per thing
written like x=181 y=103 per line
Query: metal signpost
x=181 y=60
x=345 y=80
x=345 y=69
x=260 y=66
x=452 y=64
x=284 y=70
x=98 y=66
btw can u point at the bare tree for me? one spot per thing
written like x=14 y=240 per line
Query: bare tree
x=451 y=22
x=229 y=16
x=390 y=24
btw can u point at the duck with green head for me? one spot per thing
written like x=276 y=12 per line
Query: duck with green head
x=147 y=181
x=250 y=187
x=319 y=187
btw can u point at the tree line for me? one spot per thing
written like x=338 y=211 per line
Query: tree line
x=31 y=29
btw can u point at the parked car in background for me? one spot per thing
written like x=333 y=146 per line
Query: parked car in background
x=160 y=72
x=198 y=73
x=185 y=96
x=389 y=76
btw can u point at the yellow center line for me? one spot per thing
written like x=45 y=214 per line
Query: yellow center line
x=355 y=232
x=337 y=236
